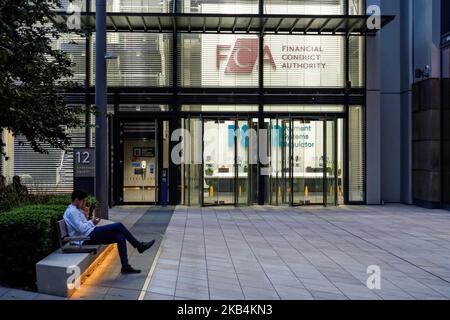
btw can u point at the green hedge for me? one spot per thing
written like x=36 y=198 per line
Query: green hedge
x=59 y=199
x=27 y=235
x=9 y=200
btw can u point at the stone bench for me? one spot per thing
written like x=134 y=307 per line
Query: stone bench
x=55 y=271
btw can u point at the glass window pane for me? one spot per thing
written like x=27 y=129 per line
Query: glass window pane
x=356 y=61
x=303 y=108
x=143 y=108
x=218 y=60
x=304 y=7
x=303 y=61
x=356 y=154
x=219 y=108
x=138 y=59
x=162 y=6
x=75 y=46
x=45 y=173
x=356 y=7
x=218 y=6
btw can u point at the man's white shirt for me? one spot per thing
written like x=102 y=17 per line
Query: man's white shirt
x=77 y=224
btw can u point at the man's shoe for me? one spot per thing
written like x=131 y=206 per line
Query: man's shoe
x=129 y=270
x=144 y=246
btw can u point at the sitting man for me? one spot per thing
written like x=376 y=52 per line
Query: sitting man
x=78 y=225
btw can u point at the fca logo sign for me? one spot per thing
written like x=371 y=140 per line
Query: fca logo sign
x=243 y=56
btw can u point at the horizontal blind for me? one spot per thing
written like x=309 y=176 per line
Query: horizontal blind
x=356 y=154
x=219 y=108
x=75 y=46
x=139 y=59
x=303 y=61
x=218 y=6
x=316 y=7
x=304 y=108
x=47 y=173
x=356 y=61
x=65 y=5
x=356 y=7
x=143 y=108
x=218 y=60
x=152 y=6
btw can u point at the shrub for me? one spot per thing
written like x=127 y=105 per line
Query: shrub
x=27 y=235
x=59 y=199
x=9 y=200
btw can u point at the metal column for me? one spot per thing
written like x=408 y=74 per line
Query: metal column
x=101 y=130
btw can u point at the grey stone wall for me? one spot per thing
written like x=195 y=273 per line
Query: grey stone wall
x=426 y=143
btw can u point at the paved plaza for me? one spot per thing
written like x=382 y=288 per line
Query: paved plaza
x=279 y=253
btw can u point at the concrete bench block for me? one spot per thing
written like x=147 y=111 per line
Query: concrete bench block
x=54 y=271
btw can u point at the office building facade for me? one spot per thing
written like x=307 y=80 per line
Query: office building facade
x=269 y=102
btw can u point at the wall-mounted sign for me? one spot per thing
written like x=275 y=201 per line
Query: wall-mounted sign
x=148 y=152
x=84 y=162
x=137 y=152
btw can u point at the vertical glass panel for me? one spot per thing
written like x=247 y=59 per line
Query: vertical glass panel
x=243 y=163
x=265 y=158
x=219 y=160
x=279 y=162
x=356 y=154
x=331 y=165
x=356 y=61
x=192 y=162
x=308 y=161
x=254 y=175
x=75 y=47
x=138 y=59
x=275 y=138
x=303 y=61
x=218 y=60
x=140 y=162
x=286 y=163
x=298 y=161
x=222 y=6
x=340 y=160
x=356 y=7
x=324 y=7
x=157 y=6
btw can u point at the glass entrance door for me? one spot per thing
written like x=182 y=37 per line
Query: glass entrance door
x=140 y=162
x=219 y=157
x=313 y=161
x=280 y=187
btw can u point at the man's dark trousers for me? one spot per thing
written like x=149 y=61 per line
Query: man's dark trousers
x=114 y=233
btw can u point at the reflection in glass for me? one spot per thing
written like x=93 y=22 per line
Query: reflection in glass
x=219 y=169
x=243 y=165
x=191 y=170
x=330 y=163
x=140 y=168
x=308 y=161
x=356 y=154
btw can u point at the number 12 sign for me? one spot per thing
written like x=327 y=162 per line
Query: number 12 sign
x=84 y=162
